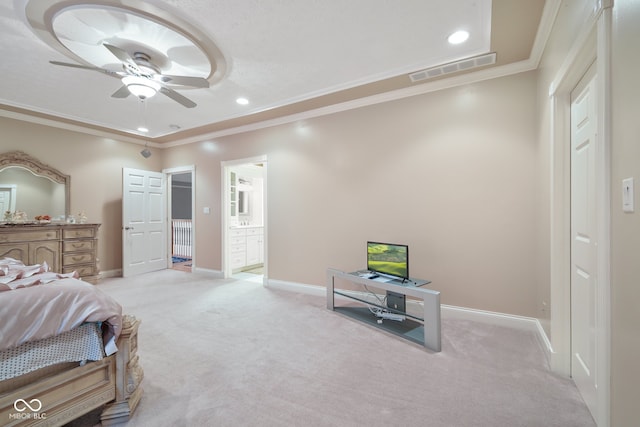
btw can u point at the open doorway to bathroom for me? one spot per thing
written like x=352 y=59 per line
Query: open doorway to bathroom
x=181 y=234
x=244 y=230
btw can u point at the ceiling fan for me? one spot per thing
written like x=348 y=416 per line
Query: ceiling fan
x=142 y=78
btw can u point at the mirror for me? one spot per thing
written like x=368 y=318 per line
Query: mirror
x=30 y=186
x=243 y=202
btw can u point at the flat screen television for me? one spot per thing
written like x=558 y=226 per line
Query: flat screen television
x=388 y=258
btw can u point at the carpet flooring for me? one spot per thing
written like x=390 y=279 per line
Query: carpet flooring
x=234 y=353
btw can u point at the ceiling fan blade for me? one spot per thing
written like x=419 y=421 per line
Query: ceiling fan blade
x=123 y=92
x=123 y=56
x=85 y=67
x=177 y=97
x=184 y=80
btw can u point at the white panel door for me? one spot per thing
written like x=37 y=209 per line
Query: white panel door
x=7 y=199
x=144 y=247
x=583 y=241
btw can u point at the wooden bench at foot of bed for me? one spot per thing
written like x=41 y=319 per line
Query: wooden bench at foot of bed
x=113 y=382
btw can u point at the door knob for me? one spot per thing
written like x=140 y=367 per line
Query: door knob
x=128 y=228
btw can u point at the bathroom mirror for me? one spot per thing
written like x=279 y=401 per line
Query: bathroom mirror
x=28 y=185
x=243 y=202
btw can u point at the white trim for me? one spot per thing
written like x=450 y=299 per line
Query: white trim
x=216 y=274
x=169 y=172
x=224 y=169
x=110 y=273
x=593 y=43
x=421 y=89
x=300 y=288
x=71 y=126
x=582 y=54
x=12 y=189
x=603 y=183
x=447 y=311
x=549 y=13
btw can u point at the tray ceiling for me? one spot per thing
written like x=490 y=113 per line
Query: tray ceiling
x=283 y=57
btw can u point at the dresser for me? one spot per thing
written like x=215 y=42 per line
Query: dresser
x=64 y=247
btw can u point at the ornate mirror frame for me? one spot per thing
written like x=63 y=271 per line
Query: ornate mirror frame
x=23 y=160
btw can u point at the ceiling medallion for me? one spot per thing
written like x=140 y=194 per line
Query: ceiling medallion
x=140 y=39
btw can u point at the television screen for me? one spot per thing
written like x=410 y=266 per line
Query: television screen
x=388 y=258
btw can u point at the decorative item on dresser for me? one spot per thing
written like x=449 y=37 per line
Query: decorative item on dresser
x=64 y=247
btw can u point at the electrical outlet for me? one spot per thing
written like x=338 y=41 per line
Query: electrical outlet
x=627 y=195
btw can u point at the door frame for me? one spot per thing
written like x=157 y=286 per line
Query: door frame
x=591 y=46
x=168 y=175
x=127 y=269
x=12 y=190
x=225 y=166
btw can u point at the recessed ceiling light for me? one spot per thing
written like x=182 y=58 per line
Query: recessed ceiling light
x=242 y=101
x=458 y=37
x=143 y=129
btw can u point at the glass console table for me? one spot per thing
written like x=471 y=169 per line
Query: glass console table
x=421 y=326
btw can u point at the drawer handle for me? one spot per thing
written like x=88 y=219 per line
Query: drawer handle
x=77 y=258
x=77 y=245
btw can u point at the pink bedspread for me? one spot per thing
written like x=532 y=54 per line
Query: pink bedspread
x=44 y=308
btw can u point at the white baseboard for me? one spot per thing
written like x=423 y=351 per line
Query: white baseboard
x=296 y=287
x=217 y=274
x=446 y=312
x=110 y=273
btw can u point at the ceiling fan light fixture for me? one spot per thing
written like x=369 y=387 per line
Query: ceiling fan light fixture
x=141 y=87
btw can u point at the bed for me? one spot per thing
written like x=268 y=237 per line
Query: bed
x=65 y=350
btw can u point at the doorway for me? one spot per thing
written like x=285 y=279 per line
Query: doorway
x=180 y=202
x=143 y=221
x=591 y=338
x=8 y=198
x=244 y=220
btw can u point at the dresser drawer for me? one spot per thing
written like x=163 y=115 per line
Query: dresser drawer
x=79 y=233
x=78 y=245
x=234 y=249
x=30 y=236
x=237 y=240
x=83 y=270
x=78 y=258
x=255 y=231
x=238 y=260
x=237 y=232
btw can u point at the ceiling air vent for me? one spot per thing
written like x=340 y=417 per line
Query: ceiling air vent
x=453 y=67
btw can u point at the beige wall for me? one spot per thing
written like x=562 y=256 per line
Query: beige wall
x=625 y=227
x=451 y=174
x=95 y=166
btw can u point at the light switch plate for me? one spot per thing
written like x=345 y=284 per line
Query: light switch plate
x=627 y=195
x=206 y=210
